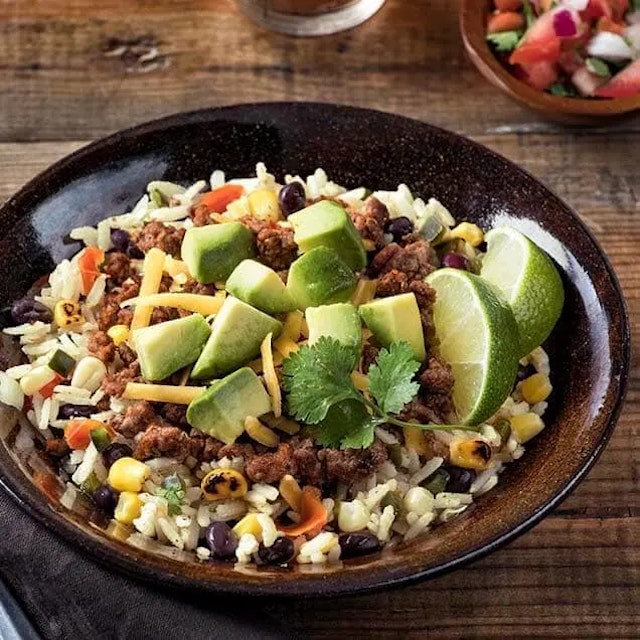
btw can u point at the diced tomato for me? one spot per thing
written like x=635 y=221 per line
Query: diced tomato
x=612 y=9
x=540 y=43
x=625 y=83
x=219 y=199
x=570 y=61
x=89 y=262
x=586 y=82
x=47 y=390
x=540 y=75
x=508 y=5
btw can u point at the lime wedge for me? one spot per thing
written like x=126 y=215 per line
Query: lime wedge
x=528 y=281
x=479 y=339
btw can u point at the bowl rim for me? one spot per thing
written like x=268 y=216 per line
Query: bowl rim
x=124 y=557
x=471 y=23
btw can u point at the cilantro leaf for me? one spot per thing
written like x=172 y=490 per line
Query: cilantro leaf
x=559 y=89
x=391 y=380
x=346 y=425
x=318 y=377
x=173 y=492
x=505 y=41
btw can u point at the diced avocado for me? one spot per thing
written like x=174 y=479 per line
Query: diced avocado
x=221 y=410
x=212 y=252
x=320 y=277
x=261 y=287
x=326 y=224
x=339 y=321
x=165 y=348
x=236 y=335
x=396 y=319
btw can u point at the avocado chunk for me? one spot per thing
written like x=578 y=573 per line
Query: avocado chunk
x=327 y=224
x=338 y=321
x=165 y=348
x=236 y=335
x=221 y=410
x=212 y=252
x=396 y=319
x=261 y=287
x=320 y=277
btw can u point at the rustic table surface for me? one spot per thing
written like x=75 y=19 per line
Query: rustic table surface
x=74 y=70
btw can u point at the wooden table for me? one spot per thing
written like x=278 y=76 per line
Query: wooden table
x=74 y=70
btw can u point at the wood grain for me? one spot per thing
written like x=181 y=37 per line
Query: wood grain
x=576 y=574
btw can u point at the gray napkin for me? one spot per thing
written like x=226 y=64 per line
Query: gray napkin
x=66 y=595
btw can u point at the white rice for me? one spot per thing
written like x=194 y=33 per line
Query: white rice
x=430 y=467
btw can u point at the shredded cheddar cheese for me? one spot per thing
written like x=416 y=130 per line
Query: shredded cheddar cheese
x=270 y=376
x=152 y=275
x=198 y=303
x=162 y=393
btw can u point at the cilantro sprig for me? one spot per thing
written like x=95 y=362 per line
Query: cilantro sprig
x=173 y=492
x=321 y=392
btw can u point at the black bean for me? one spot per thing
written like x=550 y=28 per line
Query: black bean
x=115 y=451
x=120 y=240
x=399 y=227
x=106 y=499
x=455 y=261
x=134 y=252
x=280 y=552
x=292 y=198
x=68 y=411
x=221 y=541
x=358 y=544
x=29 y=310
x=460 y=480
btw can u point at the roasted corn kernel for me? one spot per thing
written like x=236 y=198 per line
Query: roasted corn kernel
x=526 y=426
x=128 y=474
x=248 y=524
x=260 y=433
x=470 y=454
x=221 y=484
x=536 y=388
x=415 y=440
x=264 y=205
x=66 y=313
x=291 y=492
x=469 y=232
x=119 y=333
x=128 y=508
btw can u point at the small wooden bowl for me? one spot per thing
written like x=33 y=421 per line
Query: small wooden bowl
x=568 y=110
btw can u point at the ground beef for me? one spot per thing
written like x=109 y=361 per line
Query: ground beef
x=102 y=346
x=164 y=314
x=118 y=268
x=204 y=448
x=370 y=221
x=436 y=376
x=136 y=418
x=193 y=286
x=110 y=311
x=415 y=260
x=126 y=354
x=201 y=215
x=276 y=247
x=238 y=450
x=175 y=414
x=308 y=467
x=270 y=467
x=114 y=384
x=163 y=237
x=56 y=448
x=351 y=465
x=420 y=410
x=255 y=225
x=160 y=440
x=369 y=354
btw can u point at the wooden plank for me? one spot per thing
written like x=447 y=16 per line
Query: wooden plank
x=57 y=83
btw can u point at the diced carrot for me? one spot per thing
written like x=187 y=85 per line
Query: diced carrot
x=508 y=5
x=89 y=262
x=505 y=21
x=47 y=390
x=78 y=432
x=607 y=24
x=313 y=515
x=219 y=199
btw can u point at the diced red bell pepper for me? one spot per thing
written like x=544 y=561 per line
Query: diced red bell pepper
x=89 y=263
x=219 y=199
x=47 y=390
x=540 y=75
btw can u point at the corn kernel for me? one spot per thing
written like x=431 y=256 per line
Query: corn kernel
x=281 y=423
x=256 y=430
x=469 y=232
x=66 y=313
x=360 y=381
x=353 y=516
x=128 y=508
x=264 y=205
x=470 y=454
x=526 y=426
x=536 y=388
x=221 y=484
x=128 y=474
x=415 y=440
x=37 y=378
x=119 y=333
x=291 y=492
x=89 y=374
x=248 y=524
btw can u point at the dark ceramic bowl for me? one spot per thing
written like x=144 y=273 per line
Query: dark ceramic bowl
x=589 y=348
x=473 y=19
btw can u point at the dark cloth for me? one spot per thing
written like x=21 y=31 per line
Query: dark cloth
x=65 y=595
